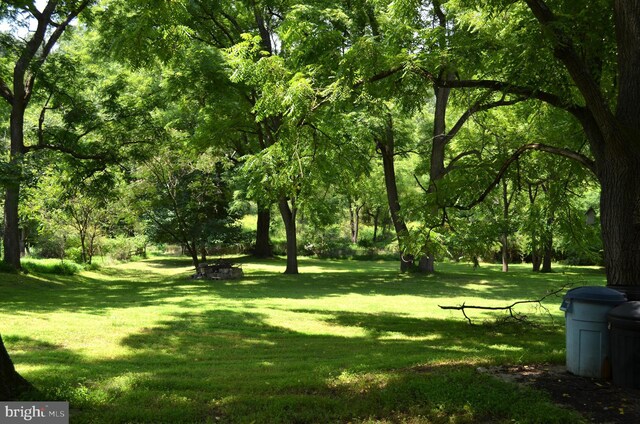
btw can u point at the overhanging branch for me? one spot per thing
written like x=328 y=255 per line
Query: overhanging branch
x=560 y=151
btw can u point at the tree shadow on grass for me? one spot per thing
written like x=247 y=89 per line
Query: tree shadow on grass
x=230 y=366
x=117 y=288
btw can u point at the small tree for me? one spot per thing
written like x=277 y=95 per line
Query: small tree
x=185 y=200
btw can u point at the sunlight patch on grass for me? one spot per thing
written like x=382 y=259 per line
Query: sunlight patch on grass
x=401 y=336
x=504 y=347
x=361 y=382
x=312 y=324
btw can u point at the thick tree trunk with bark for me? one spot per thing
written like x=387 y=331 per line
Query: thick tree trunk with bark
x=386 y=146
x=536 y=260
x=620 y=219
x=11 y=383
x=289 y=218
x=426 y=264
x=11 y=240
x=263 y=247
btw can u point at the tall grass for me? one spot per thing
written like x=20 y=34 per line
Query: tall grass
x=51 y=266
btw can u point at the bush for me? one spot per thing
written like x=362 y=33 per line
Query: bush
x=51 y=266
x=123 y=248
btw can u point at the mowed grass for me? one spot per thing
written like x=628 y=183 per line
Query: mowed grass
x=344 y=341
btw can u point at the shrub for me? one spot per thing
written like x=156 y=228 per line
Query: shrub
x=123 y=248
x=51 y=266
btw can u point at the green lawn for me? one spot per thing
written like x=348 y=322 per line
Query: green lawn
x=343 y=341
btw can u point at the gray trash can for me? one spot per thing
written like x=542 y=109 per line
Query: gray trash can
x=586 y=311
x=624 y=344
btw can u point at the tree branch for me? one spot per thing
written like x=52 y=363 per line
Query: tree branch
x=452 y=162
x=71 y=152
x=578 y=157
x=508 y=88
x=565 y=52
x=5 y=91
x=479 y=107
x=509 y=308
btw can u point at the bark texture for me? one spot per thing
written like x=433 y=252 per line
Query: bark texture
x=289 y=218
x=386 y=146
x=263 y=247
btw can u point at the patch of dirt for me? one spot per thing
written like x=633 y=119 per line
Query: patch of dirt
x=599 y=401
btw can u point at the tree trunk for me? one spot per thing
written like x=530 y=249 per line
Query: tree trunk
x=23 y=242
x=83 y=253
x=548 y=252
x=354 y=221
x=193 y=252
x=203 y=254
x=386 y=145
x=505 y=236
x=504 y=241
x=536 y=260
x=11 y=241
x=289 y=218
x=11 y=383
x=263 y=247
x=427 y=264
x=375 y=225
x=620 y=219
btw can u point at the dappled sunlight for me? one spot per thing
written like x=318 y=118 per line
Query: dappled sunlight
x=110 y=341
x=311 y=324
x=391 y=335
x=361 y=382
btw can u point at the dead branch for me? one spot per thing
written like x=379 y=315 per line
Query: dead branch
x=510 y=308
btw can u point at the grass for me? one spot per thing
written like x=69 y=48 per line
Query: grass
x=51 y=266
x=345 y=341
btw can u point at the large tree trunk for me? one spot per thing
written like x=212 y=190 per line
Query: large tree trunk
x=614 y=137
x=11 y=383
x=263 y=247
x=12 y=194
x=426 y=264
x=620 y=219
x=620 y=167
x=386 y=145
x=289 y=218
x=536 y=260
x=11 y=241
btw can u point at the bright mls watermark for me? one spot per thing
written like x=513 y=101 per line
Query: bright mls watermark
x=34 y=412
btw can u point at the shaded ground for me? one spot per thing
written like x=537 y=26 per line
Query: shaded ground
x=597 y=400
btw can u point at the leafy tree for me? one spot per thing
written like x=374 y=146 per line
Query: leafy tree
x=185 y=200
x=588 y=66
x=20 y=67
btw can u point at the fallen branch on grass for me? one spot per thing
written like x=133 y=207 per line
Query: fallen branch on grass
x=512 y=314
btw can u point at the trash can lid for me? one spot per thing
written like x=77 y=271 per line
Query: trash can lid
x=628 y=310
x=596 y=294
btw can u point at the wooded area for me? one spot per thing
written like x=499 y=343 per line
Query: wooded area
x=431 y=131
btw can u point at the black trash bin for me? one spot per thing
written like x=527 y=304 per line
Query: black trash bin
x=624 y=344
